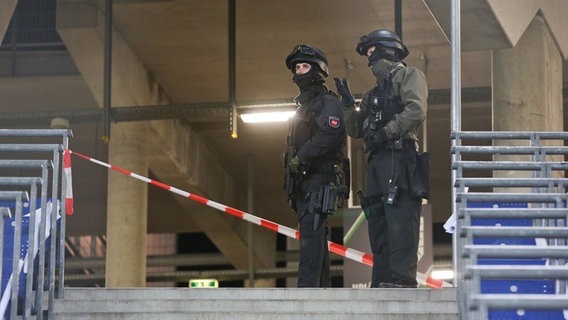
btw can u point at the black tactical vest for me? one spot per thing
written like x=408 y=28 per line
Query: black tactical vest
x=382 y=106
x=303 y=126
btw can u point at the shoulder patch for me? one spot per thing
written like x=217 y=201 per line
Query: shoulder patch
x=334 y=122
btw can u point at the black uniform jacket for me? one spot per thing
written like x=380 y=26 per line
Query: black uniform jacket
x=317 y=130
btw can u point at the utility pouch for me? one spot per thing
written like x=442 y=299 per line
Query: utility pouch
x=316 y=199
x=286 y=176
x=398 y=144
x=420 y=187
x=342 y=172
x=392 y=194
x=329 y=205
x=288 y=183
x=291 y=183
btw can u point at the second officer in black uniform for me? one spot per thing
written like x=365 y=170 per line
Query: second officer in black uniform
x=316 y=143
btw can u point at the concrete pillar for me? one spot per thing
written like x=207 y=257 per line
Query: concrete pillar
x=292 y=245
x=127 y=208
x=81 y=25
x=527 y=88
x=527 y=83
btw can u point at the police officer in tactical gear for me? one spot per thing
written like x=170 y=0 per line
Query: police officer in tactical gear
x=388 y=121
x=315 y=146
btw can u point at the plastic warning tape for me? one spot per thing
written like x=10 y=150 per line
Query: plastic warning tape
x=341 y=250
x=69 y=183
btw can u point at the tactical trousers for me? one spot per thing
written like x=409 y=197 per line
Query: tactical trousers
x=393 y=229
x=314 y=267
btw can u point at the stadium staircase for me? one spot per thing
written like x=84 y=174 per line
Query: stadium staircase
x=510 y=240
x=509 y=246
x=257 y=304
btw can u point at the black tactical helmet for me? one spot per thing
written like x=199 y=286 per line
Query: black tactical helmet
x=306 y=53
x=384 y=38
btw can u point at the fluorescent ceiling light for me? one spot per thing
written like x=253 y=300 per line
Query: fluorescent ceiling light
x=264 y=117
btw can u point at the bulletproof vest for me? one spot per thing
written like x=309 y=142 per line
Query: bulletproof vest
x=382 y=106
x=303 y=126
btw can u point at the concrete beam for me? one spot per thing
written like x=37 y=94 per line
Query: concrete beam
x=480 y=28
x=514 y=17
x=499 y=24
x=8 y=7
x=81 y=27
x=80 y=24
x=184 y=161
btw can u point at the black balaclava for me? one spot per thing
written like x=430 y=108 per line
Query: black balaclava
x=310 y=79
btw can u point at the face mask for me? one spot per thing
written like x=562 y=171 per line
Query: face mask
x=303 y=81
x=381 y=68
x=375 y=56
x=308 y=80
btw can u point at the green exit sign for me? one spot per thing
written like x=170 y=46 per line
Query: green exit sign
x=203 y=283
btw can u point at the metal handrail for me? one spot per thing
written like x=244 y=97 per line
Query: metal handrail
x=509 y=150
x=517 y=213
x=36 y=133
x=56 y=245
x=524 y=232
x=518 y=272
x=516 y=251
x=546 y=204
x=510 y=182
x=512 y=197
x=510 y=135
x=525 y=301
x=510 y=165
x=18 y=197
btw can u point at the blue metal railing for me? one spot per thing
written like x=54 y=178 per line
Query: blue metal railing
x=35 y=234
x=510 y=242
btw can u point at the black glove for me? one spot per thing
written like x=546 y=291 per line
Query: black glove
x=375 y=140
x=347 y=99
x=294 y=165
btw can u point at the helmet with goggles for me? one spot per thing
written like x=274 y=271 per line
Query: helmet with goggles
x=382 y=39
x=306 y=53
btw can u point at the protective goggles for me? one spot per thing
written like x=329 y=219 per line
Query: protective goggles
x=365 y=42
x=303 y=49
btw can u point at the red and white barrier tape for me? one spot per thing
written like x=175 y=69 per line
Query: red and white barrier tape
x=341 y=250
x=69 y=184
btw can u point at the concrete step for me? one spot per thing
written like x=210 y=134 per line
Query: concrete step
x=256 y=303
x=259 y=316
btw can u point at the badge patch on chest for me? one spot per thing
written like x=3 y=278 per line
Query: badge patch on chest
x=334 y=122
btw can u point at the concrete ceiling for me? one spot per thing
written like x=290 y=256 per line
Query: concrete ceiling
x=184 y=45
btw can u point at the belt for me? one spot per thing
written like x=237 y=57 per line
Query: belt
x=327 y=168
x=399 y=144
x=393 y=145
